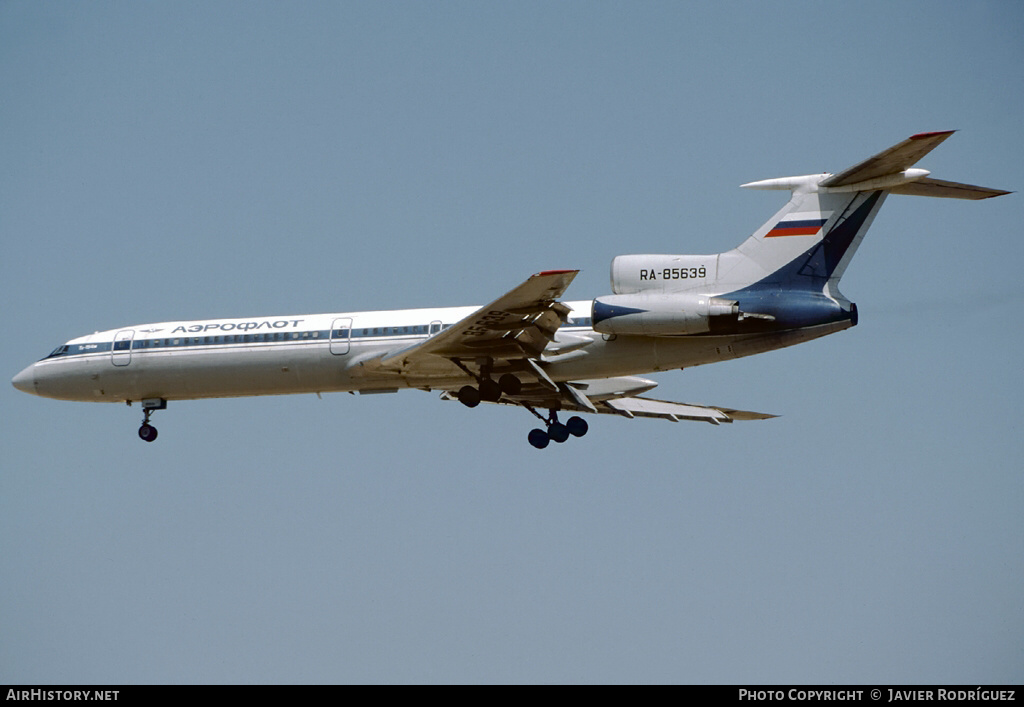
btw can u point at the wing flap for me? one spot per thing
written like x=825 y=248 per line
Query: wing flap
x=667 y=410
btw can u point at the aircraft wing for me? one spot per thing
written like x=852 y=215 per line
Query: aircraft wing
x=577 y=397
x=517 y=325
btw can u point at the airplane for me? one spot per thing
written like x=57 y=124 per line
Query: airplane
x=527 y=348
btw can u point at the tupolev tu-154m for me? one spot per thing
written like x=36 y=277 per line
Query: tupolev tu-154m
x=527 y=348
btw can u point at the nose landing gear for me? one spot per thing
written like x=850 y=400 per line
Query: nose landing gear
x=147 y=432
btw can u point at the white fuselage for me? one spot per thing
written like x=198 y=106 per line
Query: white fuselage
x=335 y=352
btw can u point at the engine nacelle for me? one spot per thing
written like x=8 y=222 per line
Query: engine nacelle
x=660 y=314
x=632 y=274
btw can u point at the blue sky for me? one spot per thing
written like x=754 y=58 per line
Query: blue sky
x=199 y=160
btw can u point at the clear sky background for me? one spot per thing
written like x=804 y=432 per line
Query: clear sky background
x=193 y=160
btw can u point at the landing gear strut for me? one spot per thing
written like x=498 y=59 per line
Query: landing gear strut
x=149 y=405
x=556 y=431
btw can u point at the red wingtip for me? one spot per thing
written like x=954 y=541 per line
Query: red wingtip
x=556 y=272
x=921 y=136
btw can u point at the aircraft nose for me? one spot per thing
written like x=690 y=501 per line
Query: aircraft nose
x=25 y=381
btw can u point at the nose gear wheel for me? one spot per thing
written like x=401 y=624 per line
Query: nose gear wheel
x=147 y=432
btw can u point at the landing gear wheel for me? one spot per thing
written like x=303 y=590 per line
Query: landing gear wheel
x=149 y=405
x=490 y=391
x=577 y=426
x=468 y=396
x=538 y=438
x=510 y=385
x=558 y=432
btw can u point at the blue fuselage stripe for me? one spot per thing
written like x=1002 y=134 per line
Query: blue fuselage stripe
x=322 y=336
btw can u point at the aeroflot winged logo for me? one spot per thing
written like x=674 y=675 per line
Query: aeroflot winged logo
x=237 y=326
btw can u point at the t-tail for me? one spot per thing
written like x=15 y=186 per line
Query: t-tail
x=786 y=275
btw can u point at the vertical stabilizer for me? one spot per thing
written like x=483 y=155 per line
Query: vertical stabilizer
x=809 y=241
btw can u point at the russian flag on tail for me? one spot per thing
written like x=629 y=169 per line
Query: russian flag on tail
x=796 y=227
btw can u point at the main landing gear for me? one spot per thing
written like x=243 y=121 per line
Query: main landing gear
x=489 y=390
x=556 y=431
x=149 y=405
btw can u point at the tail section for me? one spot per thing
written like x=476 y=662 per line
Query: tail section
x=786 y=274
x=828 y=215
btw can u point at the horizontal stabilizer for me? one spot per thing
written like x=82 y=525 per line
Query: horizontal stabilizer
x=896 y=159
x=948 y=190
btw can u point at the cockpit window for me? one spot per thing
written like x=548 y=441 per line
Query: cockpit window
x=59 y=351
